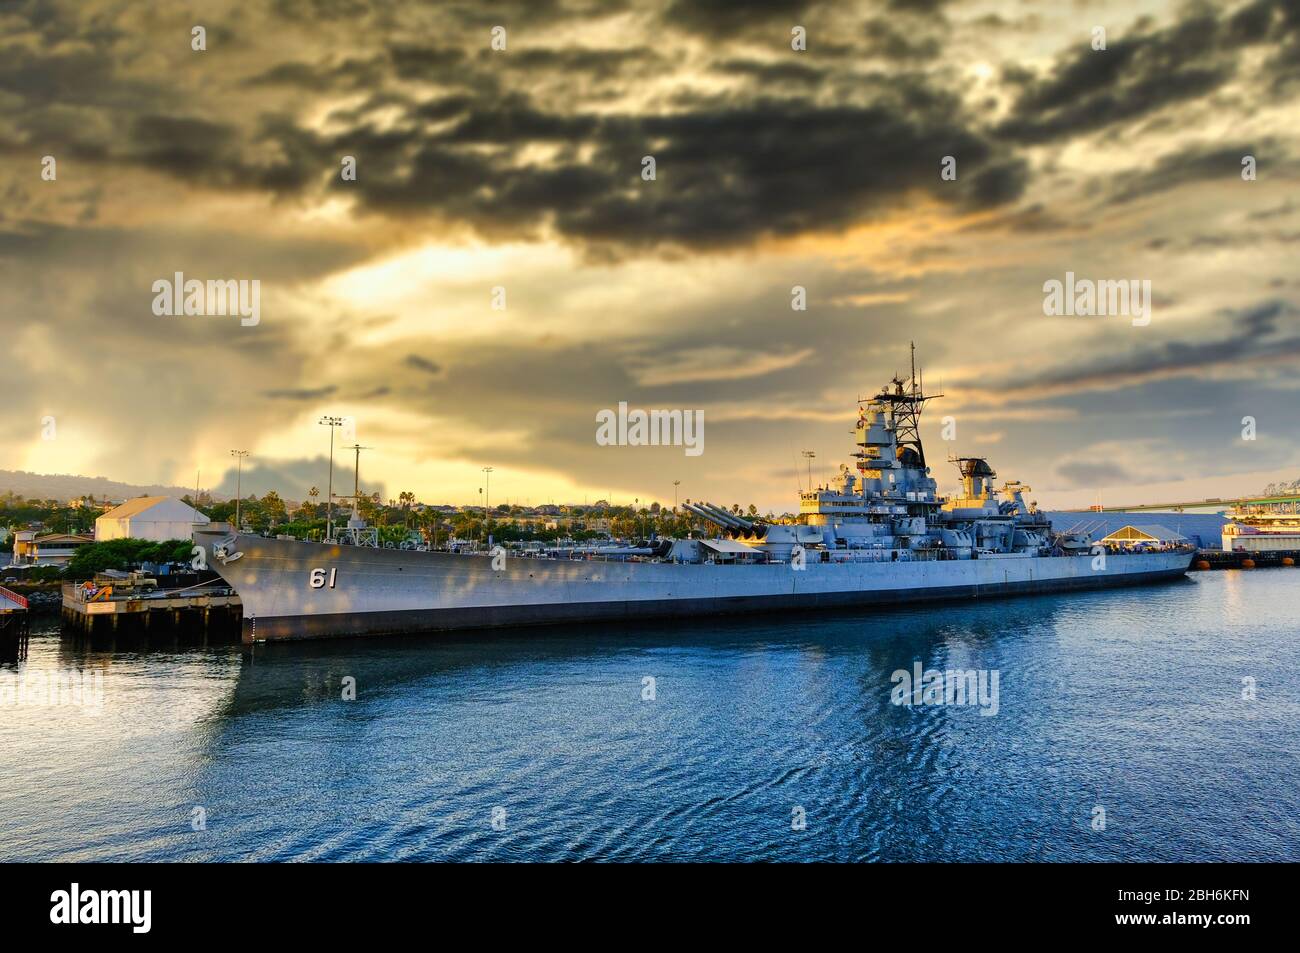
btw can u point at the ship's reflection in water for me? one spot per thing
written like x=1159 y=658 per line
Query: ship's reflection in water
x=736 y=739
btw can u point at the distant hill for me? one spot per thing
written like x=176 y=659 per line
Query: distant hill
x=68 y=486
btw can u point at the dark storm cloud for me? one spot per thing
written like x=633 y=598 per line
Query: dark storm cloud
x=599 y=64
x=422 y=364
x=1286 y=209
x=72 y=61
x=713 y=15
x=185 y=147
x=730 y=171
x=1140 y=73
x=922 y=7
x=1200 y=163
x=351 y=73
x=160 y=252
x=1263 y=332
x=322 y=9
x=725 y=174
x=752 y=139
x=1232 y=240
x=1032 y=220
x=291 y=479
x=771 y=72
x=301 y=393
x=452 y=66
x=895 y=43
x=1135 y=75
x=379 y=12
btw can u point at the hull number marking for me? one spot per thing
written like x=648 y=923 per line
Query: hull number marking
x=319 y=579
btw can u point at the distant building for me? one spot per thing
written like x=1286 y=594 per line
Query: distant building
x=1203 y=529
x=149 y=517
x=52 y=549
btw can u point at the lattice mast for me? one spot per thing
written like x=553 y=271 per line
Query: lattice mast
x=905 y=401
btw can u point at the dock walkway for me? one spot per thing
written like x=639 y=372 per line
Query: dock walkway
x=197 y=608
x=11 y=602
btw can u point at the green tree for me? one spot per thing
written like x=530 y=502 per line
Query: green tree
x=273 y=508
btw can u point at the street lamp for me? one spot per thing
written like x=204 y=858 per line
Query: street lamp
x=239 y=483
x=356 y=479
x=332 y=423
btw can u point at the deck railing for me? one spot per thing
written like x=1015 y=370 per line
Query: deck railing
x=13 y=596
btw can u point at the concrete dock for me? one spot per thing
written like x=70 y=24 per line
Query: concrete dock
x=199 y=613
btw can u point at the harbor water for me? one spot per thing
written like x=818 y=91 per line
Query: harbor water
x=1157 y=724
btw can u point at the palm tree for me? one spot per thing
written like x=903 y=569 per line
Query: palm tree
x=407 y=498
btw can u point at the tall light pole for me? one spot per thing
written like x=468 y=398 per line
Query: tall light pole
x=332 y=423
x=487 y=495
x=808 y=455
x=239 y=483
x=676 y=484
x=356 y=479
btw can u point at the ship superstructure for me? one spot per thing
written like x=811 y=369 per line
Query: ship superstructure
x=877 y=533
x=886 y=505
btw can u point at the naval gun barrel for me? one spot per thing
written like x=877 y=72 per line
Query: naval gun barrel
x=701 y=511
x=744 y=524
x=736 y=522
x=715 y=515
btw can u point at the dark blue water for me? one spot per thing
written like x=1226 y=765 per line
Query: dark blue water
x=1128 y=701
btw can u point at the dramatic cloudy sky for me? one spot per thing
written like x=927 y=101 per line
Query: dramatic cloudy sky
x=775 y=168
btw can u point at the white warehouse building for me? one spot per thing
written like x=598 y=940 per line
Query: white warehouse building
x=149 y=517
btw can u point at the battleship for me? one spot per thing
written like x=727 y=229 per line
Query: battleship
x=878 y=533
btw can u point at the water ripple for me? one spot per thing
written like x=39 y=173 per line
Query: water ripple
x=538 y=745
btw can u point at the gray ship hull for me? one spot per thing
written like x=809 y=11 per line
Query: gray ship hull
x=296 y=590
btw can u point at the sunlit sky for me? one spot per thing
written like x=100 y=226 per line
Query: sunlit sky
x=521 y=169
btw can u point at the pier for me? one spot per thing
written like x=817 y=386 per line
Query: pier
x=1239 y=559
x=203 y=613
x=13 y=625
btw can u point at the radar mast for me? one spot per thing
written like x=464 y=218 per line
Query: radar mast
x=905 y=400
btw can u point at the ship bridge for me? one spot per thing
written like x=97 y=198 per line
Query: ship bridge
x=844 y=498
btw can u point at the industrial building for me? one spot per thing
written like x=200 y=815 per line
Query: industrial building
x=155 y=518
x=1203 y=529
